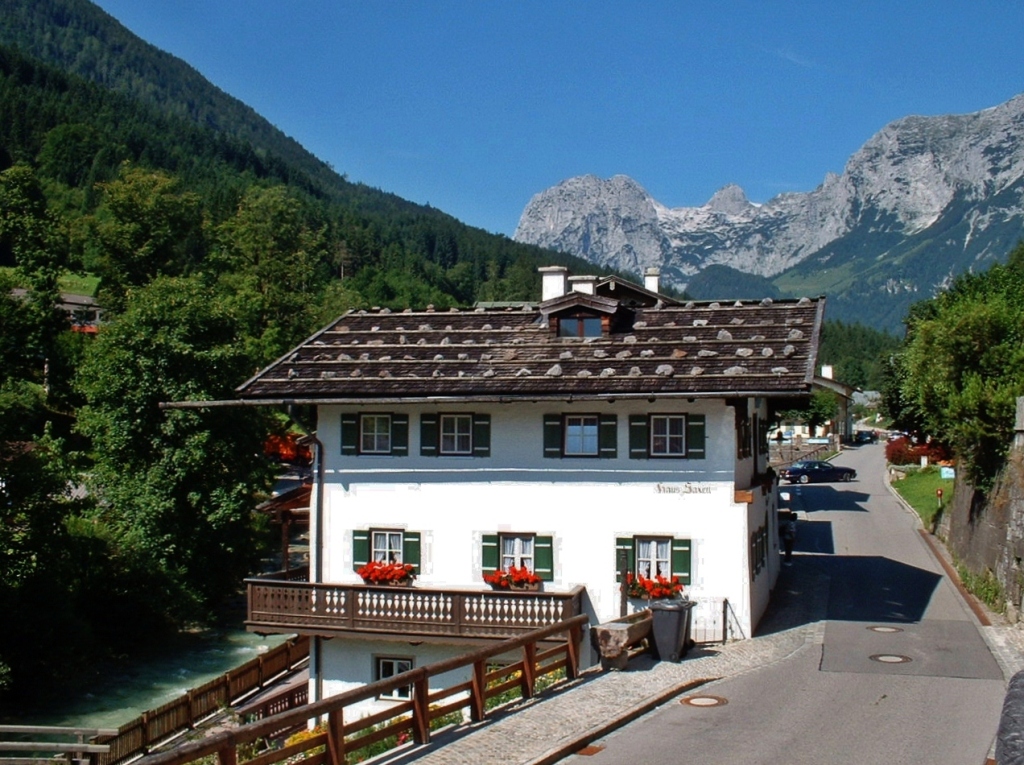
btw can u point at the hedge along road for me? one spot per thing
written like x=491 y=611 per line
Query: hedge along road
x=899 y=672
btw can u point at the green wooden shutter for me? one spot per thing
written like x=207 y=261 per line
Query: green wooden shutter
x=639 y=436
x=428 y=435
x=681 y=559
x=544 y=558
x=608 y=436
x=481 y=435
x=349 y=434
x=400 y=435
x=489 y=557
x=695 y=436
x=624 y=543
x=553 y=435
x=411 y=549
x=360 y=549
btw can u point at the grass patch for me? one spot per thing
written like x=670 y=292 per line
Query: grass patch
x=985 y=587
x=79 y=284
x=919 y=488
x=75 y=284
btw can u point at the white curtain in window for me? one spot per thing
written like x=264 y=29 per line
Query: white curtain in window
x=508 y=552
x=652 y=557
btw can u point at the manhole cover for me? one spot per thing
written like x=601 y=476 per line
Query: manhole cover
x=704 y=701
x=885 y=629
x=890 y=658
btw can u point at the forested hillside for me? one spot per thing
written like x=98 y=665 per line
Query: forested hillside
x=213 y=257
x=859 y=355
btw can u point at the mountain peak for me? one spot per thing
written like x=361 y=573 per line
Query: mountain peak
x=923 y=195
x=729 y=199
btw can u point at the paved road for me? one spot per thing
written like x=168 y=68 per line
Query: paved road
x=899 y=673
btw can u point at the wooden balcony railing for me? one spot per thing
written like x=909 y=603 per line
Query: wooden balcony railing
x=307 y=608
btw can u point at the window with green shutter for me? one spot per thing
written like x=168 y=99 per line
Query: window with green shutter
x=531 y=551
x=625 y=553
x=350 y=433
x=455 y=435
x=481 y=435
x=490 y=557
x=647 y=556
x=608 y=436
x=681 y=559
x=411 y=549
x=385 y=545
x=400 y=435
x=581 y=435
x=544 y=558
x=360 y=549
x=639 y=437
x=376 y=433
x=695 y=436
x=667 y=436
x=428 y=435
x=553 y=435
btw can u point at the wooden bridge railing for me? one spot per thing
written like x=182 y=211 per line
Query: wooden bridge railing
x=412 y=717
x=46 y=752
x=182 y=714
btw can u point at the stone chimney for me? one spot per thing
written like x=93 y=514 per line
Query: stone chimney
x=553 y=281
x=652 y=279
x=587 y=284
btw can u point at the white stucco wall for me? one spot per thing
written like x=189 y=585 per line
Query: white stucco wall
x=585 y=504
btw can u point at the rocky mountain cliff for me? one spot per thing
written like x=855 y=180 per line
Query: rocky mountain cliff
x=924 y=199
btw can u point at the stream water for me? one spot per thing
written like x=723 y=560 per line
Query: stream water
x=125 y=693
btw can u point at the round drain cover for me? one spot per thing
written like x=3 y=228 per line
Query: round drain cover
x=885 y=629
x=704 y=701
x=890 y=658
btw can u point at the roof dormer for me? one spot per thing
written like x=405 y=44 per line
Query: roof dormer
x=580 y=315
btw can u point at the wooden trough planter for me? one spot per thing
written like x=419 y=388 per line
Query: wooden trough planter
x=617 y=639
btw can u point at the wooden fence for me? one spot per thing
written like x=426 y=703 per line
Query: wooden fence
x=339 y=735
x=48 y=751
x=183 y=713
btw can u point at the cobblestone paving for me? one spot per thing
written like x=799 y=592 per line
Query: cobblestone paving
x=539 y=730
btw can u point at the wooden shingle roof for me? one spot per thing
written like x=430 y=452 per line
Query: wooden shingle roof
x=697 y=349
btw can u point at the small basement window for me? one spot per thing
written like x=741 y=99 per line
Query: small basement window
x=389 y=666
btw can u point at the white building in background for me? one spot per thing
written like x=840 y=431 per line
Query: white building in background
x=605 y=425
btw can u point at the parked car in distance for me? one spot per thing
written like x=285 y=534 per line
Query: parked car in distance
x=865 y=437
x=816 y=471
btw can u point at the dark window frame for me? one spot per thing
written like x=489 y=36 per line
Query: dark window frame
x=403 y=693
x=456 y=417
x=580 y=325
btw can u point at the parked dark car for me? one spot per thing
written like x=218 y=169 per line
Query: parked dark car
x=815 y=471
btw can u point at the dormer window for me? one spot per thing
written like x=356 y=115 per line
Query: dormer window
x=580 y=326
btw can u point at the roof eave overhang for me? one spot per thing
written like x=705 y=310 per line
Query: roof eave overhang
x=483 y=398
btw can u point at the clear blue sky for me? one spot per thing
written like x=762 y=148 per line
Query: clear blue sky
x=474 y=106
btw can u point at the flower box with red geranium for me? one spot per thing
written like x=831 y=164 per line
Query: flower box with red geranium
x=378 y=572
x=655 y=588
x=513 y=579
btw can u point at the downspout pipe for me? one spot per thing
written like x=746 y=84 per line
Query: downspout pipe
x=317 y=571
